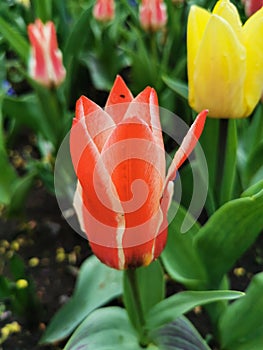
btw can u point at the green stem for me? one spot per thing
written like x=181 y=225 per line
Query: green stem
x=133 y=284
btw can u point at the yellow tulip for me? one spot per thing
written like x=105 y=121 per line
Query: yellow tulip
x=225 y=61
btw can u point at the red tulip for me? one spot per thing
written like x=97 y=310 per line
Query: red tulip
x=252 y=6
x=45 y=65
x=104 y=10
x=122 y=195
x=153 y=14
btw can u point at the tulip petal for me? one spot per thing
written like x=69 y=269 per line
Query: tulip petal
x=145 y=106
x=103 y=200
x=252 y=32
x=137 y=167
x=118 y=101
x=220 y=69
x=197 y=22
x=103 y=239
x=96 y=122
x=187 y=146
x=228 y=11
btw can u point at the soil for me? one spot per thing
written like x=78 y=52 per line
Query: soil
x=44 y=234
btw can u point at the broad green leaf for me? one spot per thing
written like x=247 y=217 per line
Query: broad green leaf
x=105 y=329
x=242 y=322
x=178 y=335
x=254 y=342
x=96 y=285
x=15 y=39
x=180 y=259
x=230 y=159
x=177 y=86
x=150 y=283
x=229 y=232
x=175 y=306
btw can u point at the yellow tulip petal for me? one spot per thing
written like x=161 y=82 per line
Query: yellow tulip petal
x=220 y=70
x=253 y=40
x=228 y=11
x=197 y=21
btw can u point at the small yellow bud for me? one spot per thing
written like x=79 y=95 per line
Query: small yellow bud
x=33 y=262
x=21 y=284
x=4 y=243
x=15 y=246
x=60 y=257
x=72 y=258
x=239 y=271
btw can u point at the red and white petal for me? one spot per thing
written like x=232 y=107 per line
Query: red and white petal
x=37 y=63
x=104 y=239
x=94 y=121
x=145 y=107
x=57 y=71
x=94 y=178
x=118 y=101
x=136 y=165
x=187 y=145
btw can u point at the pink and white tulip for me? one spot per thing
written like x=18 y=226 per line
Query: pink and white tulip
x=104 y=10
x=45 y=64
x=153 y=14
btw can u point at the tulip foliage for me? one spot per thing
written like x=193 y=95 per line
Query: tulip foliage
x=165 y=181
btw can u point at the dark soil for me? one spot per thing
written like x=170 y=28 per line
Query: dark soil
x=44 y=234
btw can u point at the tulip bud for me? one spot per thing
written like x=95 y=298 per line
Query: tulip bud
x=225 y=61
x=153 y=14
x=45 y=64
x=104 y=10
x=252 y=6
x=122 y=195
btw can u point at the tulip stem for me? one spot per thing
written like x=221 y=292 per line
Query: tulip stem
x=136 y=300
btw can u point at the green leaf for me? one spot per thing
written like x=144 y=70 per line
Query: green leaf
x=15 y=39
x=180 y=259
x=254 y=162
x=241 y=326
x=105 y=329
x=253 y=190
x=175 y=306
x=96 y=285
x=5 y=288
x=177 y=86
x=229 y=232
x=178 y=335
x=26 y=110
x=150 y=278
x=229 y=169
x=17 y=267
x=210 y=144
x=43 y=9
x=20 y=190
x=7 y=178
x=76 y=37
